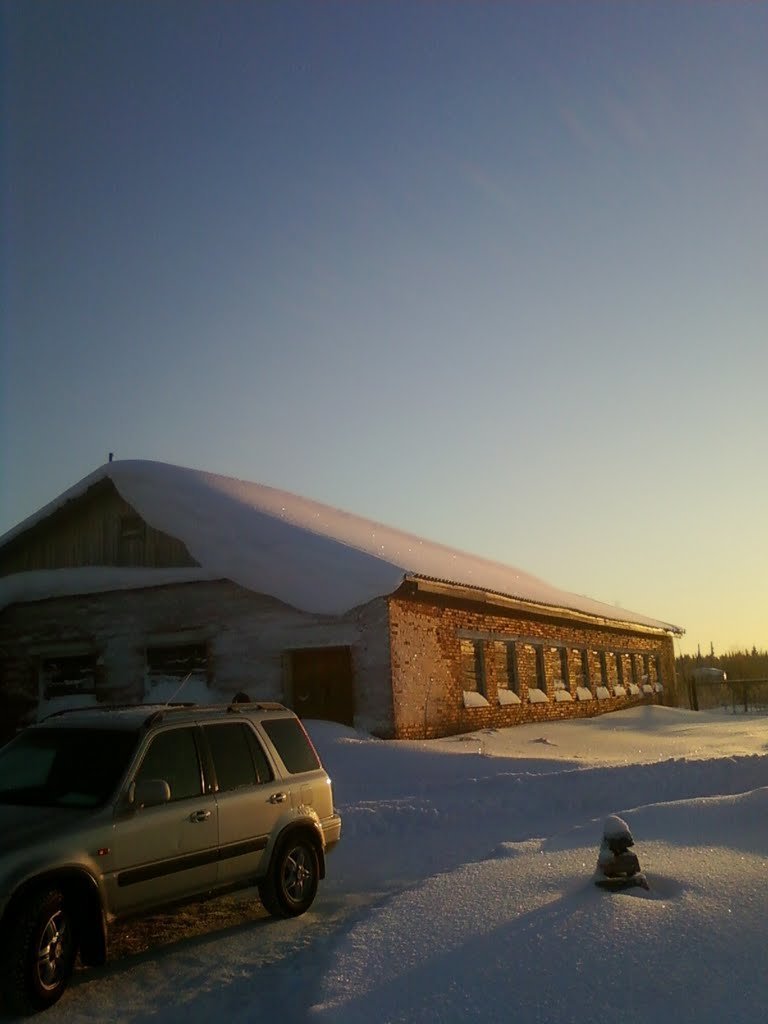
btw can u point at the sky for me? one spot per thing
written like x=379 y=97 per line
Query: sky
x=492 y=273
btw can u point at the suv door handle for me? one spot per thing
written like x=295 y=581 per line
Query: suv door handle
x=199 y=815
x=278 y=798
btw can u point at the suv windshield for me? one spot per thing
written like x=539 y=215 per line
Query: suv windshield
x=64 y=767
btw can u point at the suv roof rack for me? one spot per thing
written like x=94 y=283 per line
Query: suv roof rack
x=234 y=707
x=109 y=707
x=157 y=713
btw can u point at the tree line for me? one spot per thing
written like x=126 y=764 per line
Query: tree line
x=737 y=665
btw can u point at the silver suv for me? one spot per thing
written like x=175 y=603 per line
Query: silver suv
x=111 y=812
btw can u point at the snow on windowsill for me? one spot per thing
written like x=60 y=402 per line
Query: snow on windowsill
x=619 y=691
x=647 y=688
x=473 y=699
x=602 y=693
x=582 y=693
x=508 y=697
x=537 y=697
x=634 y=689
x=562 y=696
x=659 y=688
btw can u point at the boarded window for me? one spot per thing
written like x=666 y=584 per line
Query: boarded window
x=611 y=669
x=505 y=665
x=577 y=670
x=527 y=663
x=472 y=666
x=636 y=669
x=595 y=668
x=602 y=668
x=169 y=663
x=556 y=668
x=626 y=670
x=67 y=675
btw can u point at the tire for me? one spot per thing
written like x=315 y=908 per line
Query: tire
x=40 y=948
x=291 y=885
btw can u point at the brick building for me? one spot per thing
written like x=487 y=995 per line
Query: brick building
x=146 y=578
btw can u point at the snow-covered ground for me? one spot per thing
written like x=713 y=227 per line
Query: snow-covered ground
x=461 y=890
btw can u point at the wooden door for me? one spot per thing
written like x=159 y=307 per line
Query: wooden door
x=322 y=684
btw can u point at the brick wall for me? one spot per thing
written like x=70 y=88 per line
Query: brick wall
x=426 y=664
x=405 y=652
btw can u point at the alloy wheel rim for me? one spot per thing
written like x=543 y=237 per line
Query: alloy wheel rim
x=297 y=874
x=53 y=951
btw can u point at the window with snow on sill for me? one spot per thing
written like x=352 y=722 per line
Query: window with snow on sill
x=537 y=697
x=634 y=689
x=562 y=696
x=619 y=691
x=602 y=693
x=508 y=697
x=582 y=693
x=473 y=699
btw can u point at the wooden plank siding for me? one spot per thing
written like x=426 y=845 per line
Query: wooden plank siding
x=99 y=528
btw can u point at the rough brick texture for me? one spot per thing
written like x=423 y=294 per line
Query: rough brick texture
x=406 y=653
x=426 y=664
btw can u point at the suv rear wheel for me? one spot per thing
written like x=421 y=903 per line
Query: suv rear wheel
x=291 y=886
x=39 y=951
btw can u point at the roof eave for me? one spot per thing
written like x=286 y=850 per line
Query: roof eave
x=482 y=596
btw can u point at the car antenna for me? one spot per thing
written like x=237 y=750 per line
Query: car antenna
x=176 y=692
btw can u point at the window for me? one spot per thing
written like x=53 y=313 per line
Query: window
x=55 y=767
x=603 y=661
x=527 y=665
x=178 y=660
x=292 y=744
x=553 y=668
x=505 y=663
x=577 y=667
x=68 y=674
x=231 y=755
x=173 y=756
x=472 y=666
x=635 y=670
x=170 y=665
x=619 y=670
x=237 y=756
x=594 y=668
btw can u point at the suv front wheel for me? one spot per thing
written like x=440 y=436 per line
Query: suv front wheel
x=291 y=885
x=39 y=951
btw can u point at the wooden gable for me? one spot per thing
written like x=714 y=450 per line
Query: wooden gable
x=98 y=528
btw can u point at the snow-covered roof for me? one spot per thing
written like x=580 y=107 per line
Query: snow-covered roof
x=309 y=555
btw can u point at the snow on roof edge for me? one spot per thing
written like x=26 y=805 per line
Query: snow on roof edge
x=294 y=548
x=620 y=615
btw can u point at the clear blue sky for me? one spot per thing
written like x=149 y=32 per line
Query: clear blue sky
x=495 y=273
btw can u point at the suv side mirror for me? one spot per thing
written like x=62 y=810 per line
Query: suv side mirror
x=150 y=793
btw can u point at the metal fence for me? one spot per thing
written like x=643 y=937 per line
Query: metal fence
x=739 y=696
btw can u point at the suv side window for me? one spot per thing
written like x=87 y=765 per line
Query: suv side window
x=173 y=756
x=238 y=761
x=292 y=744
